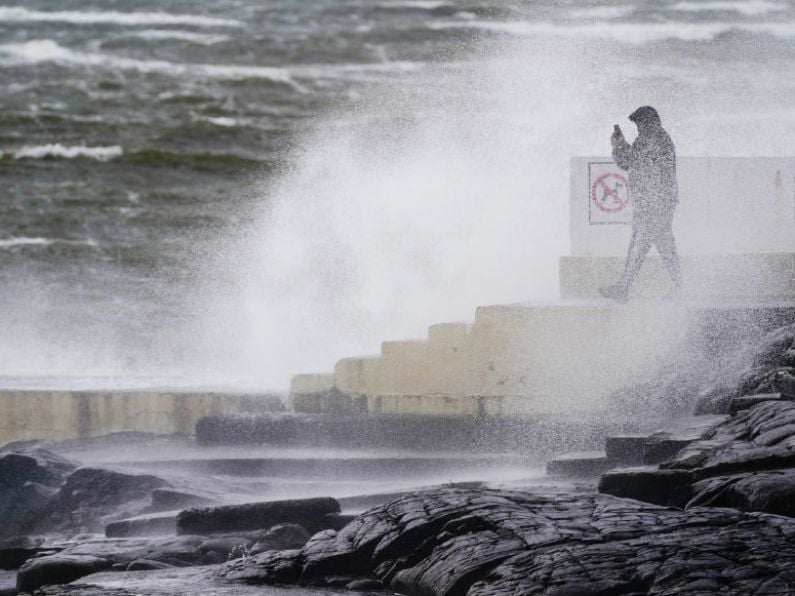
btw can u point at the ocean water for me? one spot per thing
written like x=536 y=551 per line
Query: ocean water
x=229 y=192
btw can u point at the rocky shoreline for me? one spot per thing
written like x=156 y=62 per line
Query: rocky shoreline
x=709 y=511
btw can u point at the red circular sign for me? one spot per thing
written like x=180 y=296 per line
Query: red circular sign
x=610 y=192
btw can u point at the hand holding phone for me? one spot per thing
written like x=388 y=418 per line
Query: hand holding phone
x=617 y=135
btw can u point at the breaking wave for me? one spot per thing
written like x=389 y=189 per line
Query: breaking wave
x=56 y=150
x=46 y=50
x=747 y=8
x=25 y=241
x=173 y=35
x=14 y=14
x=631 y=33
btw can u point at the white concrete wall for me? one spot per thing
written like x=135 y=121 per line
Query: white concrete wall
x=726 y=206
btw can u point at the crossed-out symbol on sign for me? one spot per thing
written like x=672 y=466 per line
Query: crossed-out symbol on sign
x=610 y=192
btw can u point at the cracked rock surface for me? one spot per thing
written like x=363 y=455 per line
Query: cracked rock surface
x=479 y=542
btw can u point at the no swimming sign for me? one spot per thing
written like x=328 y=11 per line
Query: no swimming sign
x=608 y=194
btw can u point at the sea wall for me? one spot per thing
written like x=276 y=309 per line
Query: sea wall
x=33 y=414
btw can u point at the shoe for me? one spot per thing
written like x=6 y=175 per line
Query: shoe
x=617 y=292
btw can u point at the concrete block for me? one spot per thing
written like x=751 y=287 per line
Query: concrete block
x=753 y=276
x=311 y=383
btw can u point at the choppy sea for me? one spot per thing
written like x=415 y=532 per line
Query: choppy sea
x=227 y=192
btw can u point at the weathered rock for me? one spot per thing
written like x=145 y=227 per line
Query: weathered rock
x=479 y=542
x=309 y=513
x=33 y=464
x=281 y=537
x=28 y=481
x=142 y=525
x=89 y=495
x=768 y=492
x=146 y=565
x=57 y=569
x=14 y=552
x=225 y=545
x=625 y=450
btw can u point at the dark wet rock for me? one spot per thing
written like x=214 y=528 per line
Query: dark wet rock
x=164 y=499
x=32 y=464
x=90 y=495
x=745 y=462
x=361 y=585
x=225 y=545
x=97 y=487
x=15 y=551
x=174 y=550
x=143 y=525
x=281 y=537
x=765 y=366
x=482 y=542
x=768 y=492
x=57 y=569
x=337 y=521
x=309 y=513
x=22 y=508
x=649 y=484
x=29 y=479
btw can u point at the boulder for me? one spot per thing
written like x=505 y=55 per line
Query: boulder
x=309 y=513
x=90 y=495
x=767 y=492
x=57 y=569
x=281 y=537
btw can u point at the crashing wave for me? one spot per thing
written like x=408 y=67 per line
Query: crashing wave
x=17 y=14
x=56 y=150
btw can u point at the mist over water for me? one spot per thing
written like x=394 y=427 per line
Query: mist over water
x=320 y=198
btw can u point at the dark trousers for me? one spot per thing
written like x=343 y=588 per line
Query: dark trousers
x=648 y=231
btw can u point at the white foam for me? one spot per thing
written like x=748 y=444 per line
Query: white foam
x=604 y=12
x=68 y=152
x=747 y=7
x=38 y=241
x=420 y=4
x=223 y=121
x=16 y=14
x=23 y=241
x=633 y=33
x=171 y=34
x=45 y=50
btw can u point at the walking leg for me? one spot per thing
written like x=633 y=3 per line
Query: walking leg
x=666 y=246
x=639 y=247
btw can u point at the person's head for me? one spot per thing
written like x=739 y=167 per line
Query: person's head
x=645 y=118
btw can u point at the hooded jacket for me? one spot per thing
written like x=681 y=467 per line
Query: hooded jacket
x=651 y=162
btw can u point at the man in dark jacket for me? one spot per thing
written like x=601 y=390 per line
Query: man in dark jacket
x=651 y=162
